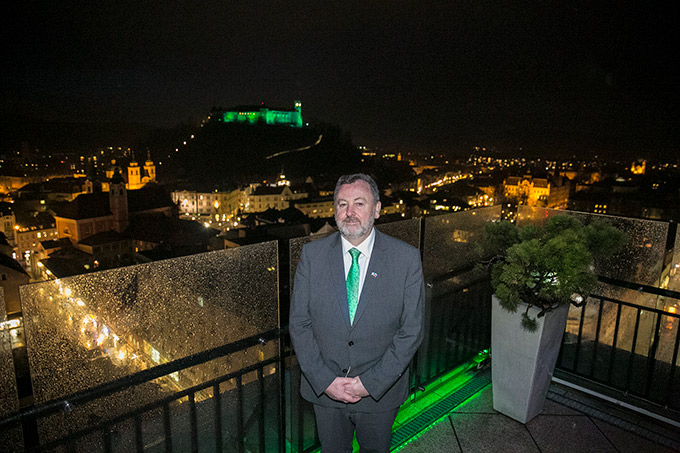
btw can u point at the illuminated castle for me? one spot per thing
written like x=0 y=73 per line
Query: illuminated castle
x=254 y=114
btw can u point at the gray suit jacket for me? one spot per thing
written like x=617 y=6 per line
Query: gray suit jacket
x=388 y=324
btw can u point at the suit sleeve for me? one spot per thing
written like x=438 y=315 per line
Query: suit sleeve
x=380 y=377
x=301 y=332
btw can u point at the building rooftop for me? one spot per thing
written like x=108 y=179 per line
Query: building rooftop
x=269 y=190
x=104 y=237
x=257 y=108
x=36 y=220
x=92 y=205
x=86 y=206
x=159 y=228
x=11 y=263
x=55 y=243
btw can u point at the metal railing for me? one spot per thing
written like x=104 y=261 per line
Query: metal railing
x=229 y=413
x=626 y=346
x=220 y=398
x=458 y=324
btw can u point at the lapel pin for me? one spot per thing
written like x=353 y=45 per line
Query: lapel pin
x=374 y=275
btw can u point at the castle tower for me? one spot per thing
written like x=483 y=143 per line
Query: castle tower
x=118 y=202
x=134 y=175
x=297 y=119
x=149 y=167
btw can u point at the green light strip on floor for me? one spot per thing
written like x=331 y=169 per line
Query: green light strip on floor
x=460 y=384
x=429 y=417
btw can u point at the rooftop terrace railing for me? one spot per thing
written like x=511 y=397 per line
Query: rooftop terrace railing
x=625 y=346
x=191 y=354
x=183 y=421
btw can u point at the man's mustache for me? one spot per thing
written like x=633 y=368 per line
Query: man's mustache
x=351 y=219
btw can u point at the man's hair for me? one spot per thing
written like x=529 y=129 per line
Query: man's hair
x=349 y=179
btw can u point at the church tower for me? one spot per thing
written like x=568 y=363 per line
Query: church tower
x=149 y=168
x=118 y=202
x=134 y=175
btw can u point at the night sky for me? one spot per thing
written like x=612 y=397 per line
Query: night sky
x=581 y=77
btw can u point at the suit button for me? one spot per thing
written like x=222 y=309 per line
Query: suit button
x=351 y=343
x=344 y=370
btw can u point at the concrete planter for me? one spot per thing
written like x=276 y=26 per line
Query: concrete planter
x=522 y=362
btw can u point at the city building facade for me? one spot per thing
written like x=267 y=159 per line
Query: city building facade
x=218 y=205
x=29 y=232
x=551 y=192
x=259 y=198
x=12 y=275
x=316 y=207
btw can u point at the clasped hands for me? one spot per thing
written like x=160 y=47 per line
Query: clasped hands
x=347 y=389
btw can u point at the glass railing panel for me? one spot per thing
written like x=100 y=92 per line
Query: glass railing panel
x=301 y=424
x=9 y=400
x=404 y=230
x=641 y=260
x=449 y=241
x=457 y=326
x=666 y=377
x=295 y=252
x=86 y=330
x=673 y=282
x=458 y=304
x=624 y=364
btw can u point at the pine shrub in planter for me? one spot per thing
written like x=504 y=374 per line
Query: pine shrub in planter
x=548 y=266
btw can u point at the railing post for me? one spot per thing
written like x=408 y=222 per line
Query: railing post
x=615 y=343
x=632 y=349
x=674 y=361
x=417 y=377
x=597 y=339
x=284 y=267
x=651 y=356
x=282 y=371
x=22 y=377
x=217 y=401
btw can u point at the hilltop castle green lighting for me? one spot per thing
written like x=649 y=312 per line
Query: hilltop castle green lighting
x=254 y=114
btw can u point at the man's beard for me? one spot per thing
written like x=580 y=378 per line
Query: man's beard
x=361 y=229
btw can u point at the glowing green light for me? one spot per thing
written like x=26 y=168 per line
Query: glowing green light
x=264 y=115
x=436 y=391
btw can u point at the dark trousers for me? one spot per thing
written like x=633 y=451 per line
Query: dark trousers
x=336 y=428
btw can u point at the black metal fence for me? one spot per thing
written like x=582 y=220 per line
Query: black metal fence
x=627 y=347
x=257 y=407
x=239 y=411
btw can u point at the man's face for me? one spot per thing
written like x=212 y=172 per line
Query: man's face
x=355 y=211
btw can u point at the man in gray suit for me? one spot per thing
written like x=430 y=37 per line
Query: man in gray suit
x=356 y=320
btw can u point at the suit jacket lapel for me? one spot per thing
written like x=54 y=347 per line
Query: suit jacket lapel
x=375 y=267
x=337 y=274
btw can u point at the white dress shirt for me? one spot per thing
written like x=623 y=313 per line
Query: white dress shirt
x=366 y=248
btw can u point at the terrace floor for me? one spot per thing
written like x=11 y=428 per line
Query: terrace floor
x=571 y=422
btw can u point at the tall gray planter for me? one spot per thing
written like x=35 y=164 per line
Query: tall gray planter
x=522 y=362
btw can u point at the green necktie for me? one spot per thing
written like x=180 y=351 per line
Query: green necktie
x=353 y=284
